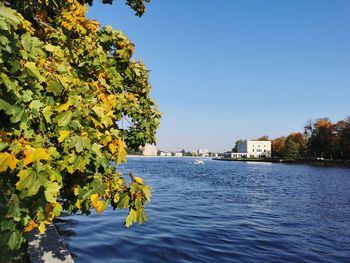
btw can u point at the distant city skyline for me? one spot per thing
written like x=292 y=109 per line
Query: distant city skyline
x=222 y=71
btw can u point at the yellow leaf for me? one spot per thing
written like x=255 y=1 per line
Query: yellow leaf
x=94 y=199
x=106 y=140
x=76 y=190
x=112 y=147
x=99 y=207
x=97 y=203
x=63 y=135
x=7 y=160
x=35 y=154
x=12 y=162
x=30 y=226
x=93 y=25
x=78 y=204
x=26 y=25
x=64 y=107
x=119 y=185
x=42 y=228
x=121 y=151
x=116 y=198
x=138 y=180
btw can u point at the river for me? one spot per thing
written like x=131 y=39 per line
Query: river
x=223 y=212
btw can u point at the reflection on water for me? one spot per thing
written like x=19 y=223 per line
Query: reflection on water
x=223 y=212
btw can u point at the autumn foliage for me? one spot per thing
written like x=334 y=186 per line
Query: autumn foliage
x=321 y=139
x=67 y=88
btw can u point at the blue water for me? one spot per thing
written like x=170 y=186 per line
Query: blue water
x=223 y=212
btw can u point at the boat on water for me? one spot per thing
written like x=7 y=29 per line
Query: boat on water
x=198 y=162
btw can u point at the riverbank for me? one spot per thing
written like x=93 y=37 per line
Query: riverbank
x=325 y=163
x=48 y=247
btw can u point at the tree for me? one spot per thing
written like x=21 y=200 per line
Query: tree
x=235 y=148
x=300 y=140
x=342 y=130
x=278 y=146
x=291 y=151
x=322 y=139
x=263 y=138
x=66 y=85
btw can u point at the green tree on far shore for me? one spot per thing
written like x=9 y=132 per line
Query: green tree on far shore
x=291 y=151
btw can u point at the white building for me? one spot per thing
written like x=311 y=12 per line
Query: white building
x=203 y=152
x=149 y=150
x=252 y=149
x=165 y=153
x=178 y=154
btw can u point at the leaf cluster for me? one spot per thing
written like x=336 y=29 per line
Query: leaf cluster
x=67 y=89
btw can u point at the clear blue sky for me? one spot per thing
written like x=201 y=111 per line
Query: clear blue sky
x=230 y=69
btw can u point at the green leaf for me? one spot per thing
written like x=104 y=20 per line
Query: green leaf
x=28 y=180
x=14 y=212
x=78 y=163
x=15 y=240
x=3 y=146
x=146 y=192
x=10 y=15
x=96 y=149
x=26 y=40
x=130 y=218
x=35 y=104
x=55 y=87
x=27 y=95
x=133 y=188
x=47 y=112
x=52 y=48
x=34 y=71
x=61 y=68
x=8 y=225
x=17 y=115
x=80 y=143
x=10 y=85
x=123 y=201
x=142 y=216
x=6 y=107
x=51 y=192
x=64 y=118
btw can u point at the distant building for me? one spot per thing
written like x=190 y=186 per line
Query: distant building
x=178 y=154
x=164 y=153
x=252 y=149
x=149 y=150
x=203 y=152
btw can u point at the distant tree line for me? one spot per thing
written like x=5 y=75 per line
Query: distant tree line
x=321 y=139
x=134 y=151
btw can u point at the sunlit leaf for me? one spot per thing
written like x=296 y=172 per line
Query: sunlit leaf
x=63 y=135
x=7 y=160
x=35 y=154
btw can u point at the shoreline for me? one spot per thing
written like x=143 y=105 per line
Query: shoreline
x=145 y=156
x=48 y=247
x=321 y=163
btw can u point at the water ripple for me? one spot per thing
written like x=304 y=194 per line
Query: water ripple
x=223 y=212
